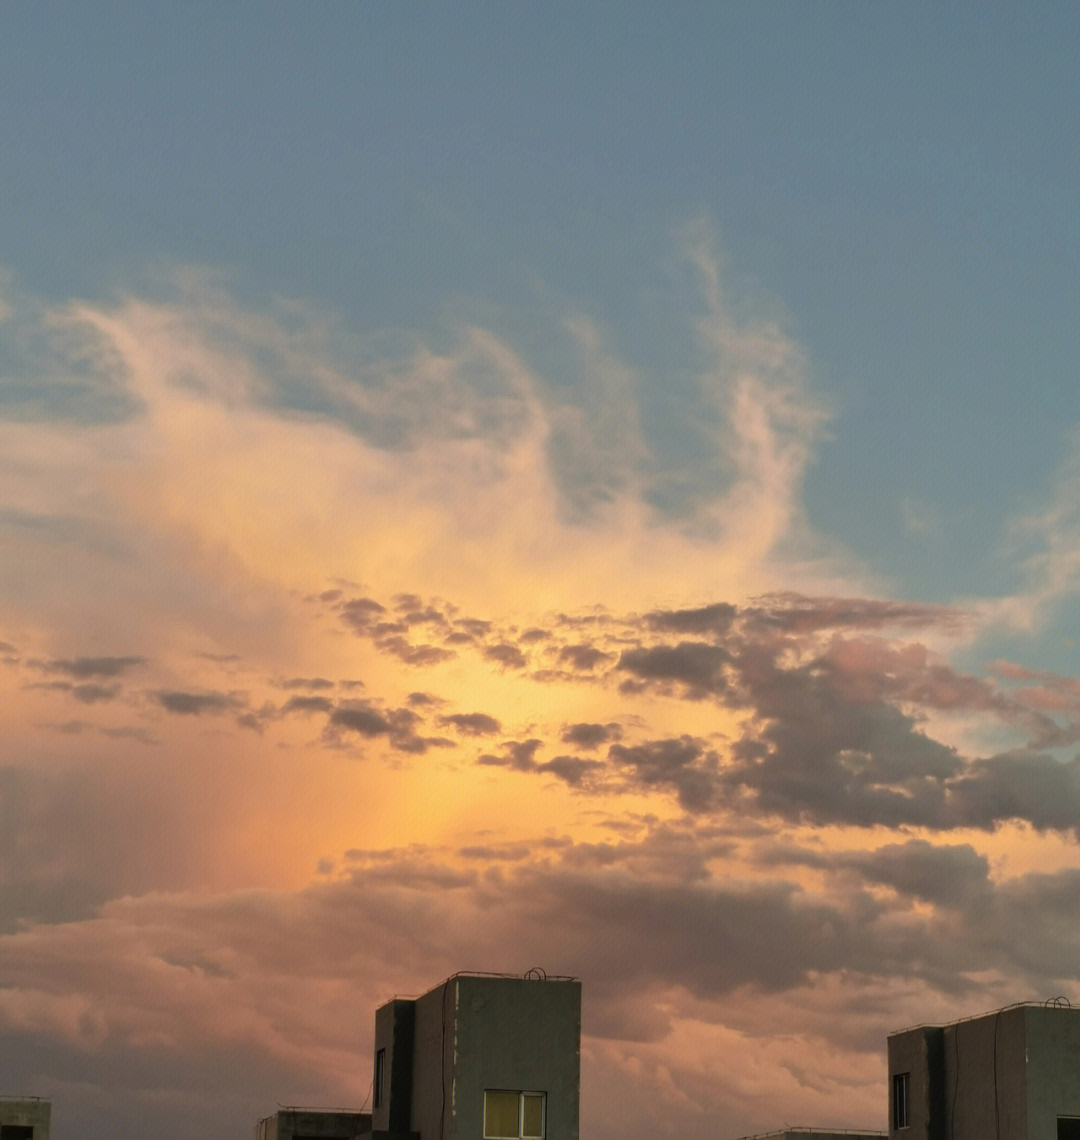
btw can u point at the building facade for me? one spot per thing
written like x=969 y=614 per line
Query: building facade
x=480 y=1057
x=1009 y=1075
x=313 y=1124
x=24 y=1118
x=817 y=1134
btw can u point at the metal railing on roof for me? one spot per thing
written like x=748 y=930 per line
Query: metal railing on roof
x=815 y=1132
x=536 y=974
x=1058 y=1002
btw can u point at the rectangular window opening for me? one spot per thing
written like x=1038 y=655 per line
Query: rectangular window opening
x=900 y=1083
x=377 y=1081
x=514 y=1114
x=1068 y=1128
x=532 y=1116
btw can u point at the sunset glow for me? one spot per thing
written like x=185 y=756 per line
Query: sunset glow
x=500 y=486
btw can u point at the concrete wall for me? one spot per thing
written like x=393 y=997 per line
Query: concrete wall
x=1005 y=1076
x=985 y=1077
x=317 y=1124
x=395 y=1024
x=444 y=1049
x=1053 y=1068
x=516 y=1033
x=29 y=1112
x=474 y=1033
x=815 y=1134
x=917 y=1052
x=433 y=1062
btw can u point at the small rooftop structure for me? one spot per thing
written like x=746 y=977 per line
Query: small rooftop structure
x=24 y=1118
x=313 y=1124
x=816 y=1134
x=479 y=1057
x=1013 y=1074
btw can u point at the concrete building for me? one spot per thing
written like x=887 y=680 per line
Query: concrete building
x=816 y=1134
x=313 y=1124
x=480 y=1057
x=1009 y=1075
x=24 y=1118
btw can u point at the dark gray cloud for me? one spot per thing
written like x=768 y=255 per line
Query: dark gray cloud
x=590 y=735
x=360 y=718
x=196 y=704
x=697 y=666
x=714 y=936
x=684 y=765
x=517 y=754
x=391 y=634
x=654 y=932
x=471 y=724
x=955 y=876
x=308 y=704
x=423 y=700
x=571 y=769
x=91 y=693
x=400 y=726
x=86 y=667
x=583 y=658
x=414 y=654
x=358 y=613
x=314 y=683
x=1036 y=788
x=798 y=614
x=834 y=729
x=70 y=840
x=88 y=692
x=715 y=619
x=831 y=699
x=130 y=732
x=473 y=627
x=507 y=655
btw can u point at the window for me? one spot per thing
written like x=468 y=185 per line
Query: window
x=900 y=1100
x=16 y=1132
x=377 y=1081
x=1068 y=1128
x=510 y=1114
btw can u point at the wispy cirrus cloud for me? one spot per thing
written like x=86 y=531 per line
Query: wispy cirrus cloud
x=480 y=651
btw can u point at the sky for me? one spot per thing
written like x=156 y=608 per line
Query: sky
x=491 y=486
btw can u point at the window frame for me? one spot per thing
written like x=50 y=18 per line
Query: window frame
x=378 y=1077
x=1072 y=1126
x=521 y=1095
x=901 y=1097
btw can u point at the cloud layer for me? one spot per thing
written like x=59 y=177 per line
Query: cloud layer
x=331 y=665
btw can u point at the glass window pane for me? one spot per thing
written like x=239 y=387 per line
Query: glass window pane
x=501 y=1114
x=532 y=1115
x=380 y=1073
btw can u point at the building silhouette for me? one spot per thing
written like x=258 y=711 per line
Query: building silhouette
x=24 y=1118
x=498 y=1057
x=1009 y=1075
x=817 y=1134
x=479 y=1057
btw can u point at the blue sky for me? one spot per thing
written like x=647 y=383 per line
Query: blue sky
x=465 y=464
x=894 y=182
